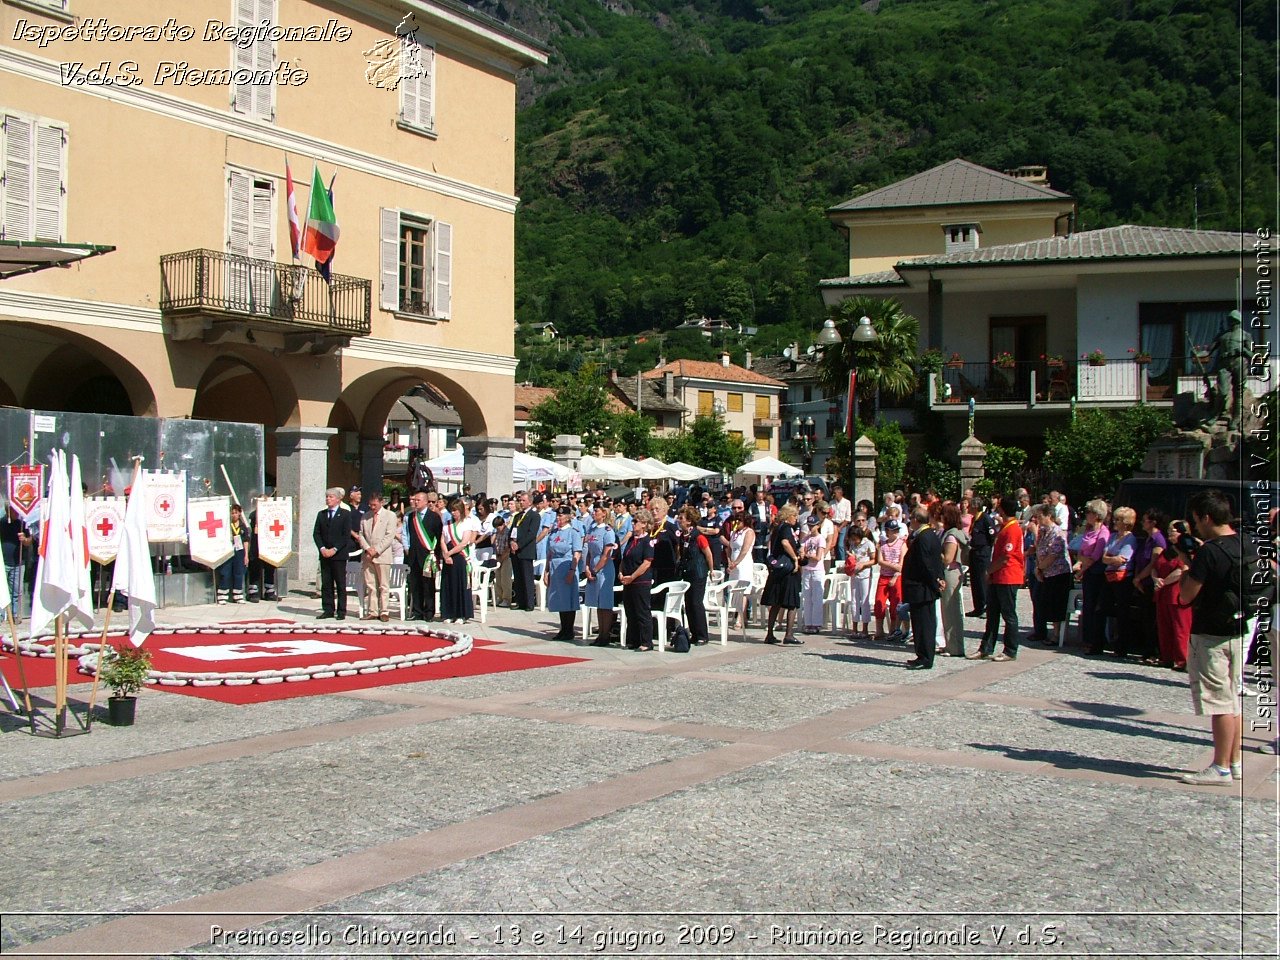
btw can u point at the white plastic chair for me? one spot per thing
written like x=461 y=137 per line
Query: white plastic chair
x=355 y=585
x=759 y=574
x=837 y=600
x=723 y=601
x=539 y=567
x=398 y=587
x=1074 y=603
x=673 y=592
x=482 y=588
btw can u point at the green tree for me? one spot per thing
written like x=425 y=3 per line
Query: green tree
x=886 y=365
x=581 y=406
x=634 y=433
x=706 y=444
x=1099 y=448
x=1002 y=465
x=891 y=454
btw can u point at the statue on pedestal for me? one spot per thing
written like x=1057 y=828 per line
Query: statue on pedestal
x=1231 y=350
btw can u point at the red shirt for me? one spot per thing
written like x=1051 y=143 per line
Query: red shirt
x=1008 y=548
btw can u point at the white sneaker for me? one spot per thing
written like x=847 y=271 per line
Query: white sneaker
x=1210 y=776
x=1237 y=771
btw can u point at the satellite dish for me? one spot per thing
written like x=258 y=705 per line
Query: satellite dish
x=812 y=350
x=786 y=352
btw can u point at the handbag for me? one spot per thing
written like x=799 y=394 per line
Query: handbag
x=779 y=563
x=1117 y=576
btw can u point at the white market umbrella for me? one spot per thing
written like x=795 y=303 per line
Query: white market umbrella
x=649 y=469
x=447 y=466
x=768 y=467
x=687 y=472
x=526 y=467
x=608 y=468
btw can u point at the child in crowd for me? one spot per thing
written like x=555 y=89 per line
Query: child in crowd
x=892 y=551
x=860 y=558
x=811 y=574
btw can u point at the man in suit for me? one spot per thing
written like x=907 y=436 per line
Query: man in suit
x=424 y=529
x=378 y=531
x=332 y=536
x=524 y=550
x=922 y=583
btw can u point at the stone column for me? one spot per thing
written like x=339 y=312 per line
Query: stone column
x=972 y=455
x=487 y=464
x=371 y=465
x=302 y=472
x=567 y=450
x=864 y=470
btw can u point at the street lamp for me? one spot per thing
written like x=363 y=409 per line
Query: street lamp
x=863 y=332
x=804 y=440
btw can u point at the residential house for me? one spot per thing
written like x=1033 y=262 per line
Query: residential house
x=648 y=397
x=810 y=419
x=988 y=262
x=747 y=401
x=527 y=396
x=422 y=420
x=174 y=153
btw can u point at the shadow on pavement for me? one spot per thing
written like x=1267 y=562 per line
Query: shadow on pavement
x=1067 y=760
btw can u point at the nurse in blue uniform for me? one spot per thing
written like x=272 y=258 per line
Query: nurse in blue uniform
x=601 y=544
x=564 y=553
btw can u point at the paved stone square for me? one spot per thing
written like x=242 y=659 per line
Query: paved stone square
x=739 y=800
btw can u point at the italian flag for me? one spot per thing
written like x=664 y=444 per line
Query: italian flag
x=291 y=206
x=321 y=235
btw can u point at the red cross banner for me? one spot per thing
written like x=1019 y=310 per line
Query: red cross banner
x=209 y=530
x=274 y=527
x=104 y=523
x=26 y=485
x=166 y=506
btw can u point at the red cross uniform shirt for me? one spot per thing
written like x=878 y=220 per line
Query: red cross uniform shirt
x=1008 y=547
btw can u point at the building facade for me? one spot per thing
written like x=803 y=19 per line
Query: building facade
x=164 y=130
x=747 y=401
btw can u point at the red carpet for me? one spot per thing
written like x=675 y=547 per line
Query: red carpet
x=255 y=650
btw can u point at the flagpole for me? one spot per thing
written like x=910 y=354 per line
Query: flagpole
x=60 y=676
x=22 y=670
x=102 y=649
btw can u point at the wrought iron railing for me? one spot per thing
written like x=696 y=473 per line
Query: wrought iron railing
x=1042 y=382
x=292 y=296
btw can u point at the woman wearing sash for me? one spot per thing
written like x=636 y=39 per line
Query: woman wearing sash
x=455 y=547
x=564 y=554
x=600 y=545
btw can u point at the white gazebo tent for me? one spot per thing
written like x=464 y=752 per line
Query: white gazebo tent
x=525 y=468
x=608 y=468
x=687 y=472
x=768 y=467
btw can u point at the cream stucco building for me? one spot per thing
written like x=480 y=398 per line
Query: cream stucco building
x=162 y=130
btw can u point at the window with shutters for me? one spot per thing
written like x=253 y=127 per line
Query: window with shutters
x=415 y=265
x=251 y=281
x=417 y=86
x=735 y=403
x=763 y=439
x=706 y=403
x=735 y=436
x=762 y=408
x=33 y=174
x=257 y=58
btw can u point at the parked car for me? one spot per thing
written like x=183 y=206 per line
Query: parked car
x=782 y=489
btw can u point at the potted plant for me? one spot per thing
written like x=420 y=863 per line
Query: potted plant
x=1004 y=360
x=1053 y=361
x=124 y=669
x=955 y=361
x=1095 y=357
x=1140 y=357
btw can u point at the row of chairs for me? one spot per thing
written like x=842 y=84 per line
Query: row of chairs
x=481 y=588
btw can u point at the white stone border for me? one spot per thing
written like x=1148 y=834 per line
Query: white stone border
x=88 y=654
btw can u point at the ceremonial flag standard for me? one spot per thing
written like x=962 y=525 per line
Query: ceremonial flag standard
x=133 y=576
x=321 y=235
x=291 y=205
x=166 y=506
x=104 y=524
x=25 y=484
x=81 y=606
x=55 y=582
x=274 y=526
x=209 y=530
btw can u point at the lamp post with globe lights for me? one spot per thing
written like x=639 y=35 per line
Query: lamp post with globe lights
x=829 y=336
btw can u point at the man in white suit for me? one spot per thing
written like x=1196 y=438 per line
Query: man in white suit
x=378 y=530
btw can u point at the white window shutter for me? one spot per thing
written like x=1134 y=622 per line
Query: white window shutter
x=443 y=272
x=50 y=166
x=242 y=58
x=19 y=135
x=261 y=234
x=239 y=212
x=427 y=89
x=389 y=259
x=409 y=101
x=264 y=60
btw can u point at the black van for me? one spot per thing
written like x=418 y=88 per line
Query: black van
x=1249 y=500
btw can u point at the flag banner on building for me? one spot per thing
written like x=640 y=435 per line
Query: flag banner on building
x=209 y=530
x=55 y=581
x=291 y=207
x=104 y=525
x=326 y=268
x=321 y=235
x=166 y=506
x=25 y=484
x=851 y=404
x=133 y=575
x=275 y=529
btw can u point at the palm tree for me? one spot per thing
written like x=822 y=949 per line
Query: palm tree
x=884 y=366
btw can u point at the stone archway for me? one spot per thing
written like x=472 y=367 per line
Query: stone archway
x=53 y=369
x=243 y=389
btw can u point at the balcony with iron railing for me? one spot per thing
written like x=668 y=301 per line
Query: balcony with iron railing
x=213 y=296
x=1115 y=383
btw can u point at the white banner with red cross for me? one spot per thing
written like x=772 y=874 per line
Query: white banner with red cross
x=26 y=486
x=104 y=524
x=166 y=506
x=209 y=530
x=274 y=527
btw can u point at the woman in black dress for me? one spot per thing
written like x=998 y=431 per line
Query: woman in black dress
x=782 y=588
x=637 y=584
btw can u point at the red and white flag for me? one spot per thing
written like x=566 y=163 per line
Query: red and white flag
x=209 y=530
x=166 y=505
x=291 y=205
x=81 y=607
x=133 y=576
x=274 y=525
x=55 y=582
x=104 y=524
x=25 y=484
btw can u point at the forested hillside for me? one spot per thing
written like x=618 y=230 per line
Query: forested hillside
x=676 y=158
